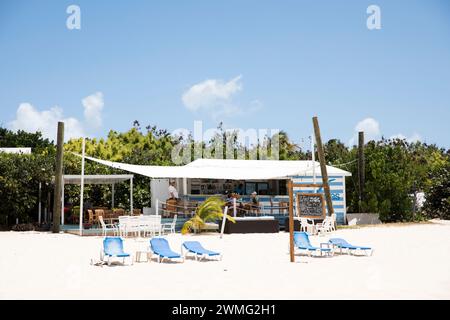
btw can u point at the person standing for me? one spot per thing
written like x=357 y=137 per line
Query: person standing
x=239 y=190
x=173 y=193
x=255 y=202
x=172 y=202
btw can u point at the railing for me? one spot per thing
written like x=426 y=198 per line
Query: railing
x=189 y=208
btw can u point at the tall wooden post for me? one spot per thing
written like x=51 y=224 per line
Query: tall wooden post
x=57 y=202
x=291 y=220
x=361 y=168
x=323 y=166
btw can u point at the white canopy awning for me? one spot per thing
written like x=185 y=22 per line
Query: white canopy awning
x=228 y=169
x=97 y=179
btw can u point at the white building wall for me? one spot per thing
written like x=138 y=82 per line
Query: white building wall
x=159 y=190
x=337 y=188
x=16 y=150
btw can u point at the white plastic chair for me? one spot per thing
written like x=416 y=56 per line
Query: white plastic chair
x=156 y=225
x=134 y=225
x=125 y=225
x=151 y=225
x=333 y=222
x=129 y=224
x=307 y=226
x=170 y=227
x=107 y=226
x=325 y=226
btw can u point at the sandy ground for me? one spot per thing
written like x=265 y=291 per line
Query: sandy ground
x=409 y=262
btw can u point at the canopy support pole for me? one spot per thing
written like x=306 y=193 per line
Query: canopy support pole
x=40 y=203
x=185 y=186
x=112 y=196
x=131 y=196
x=62 y=201
x=82 y=187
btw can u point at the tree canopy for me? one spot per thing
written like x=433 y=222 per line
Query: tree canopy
x=395 y=170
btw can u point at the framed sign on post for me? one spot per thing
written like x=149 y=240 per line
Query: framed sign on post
x=311 y=205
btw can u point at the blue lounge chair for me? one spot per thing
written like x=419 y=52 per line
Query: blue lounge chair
x=301 y=241
x=343 y=244
x=161 y=248
x=197 y=249
x=113 y=247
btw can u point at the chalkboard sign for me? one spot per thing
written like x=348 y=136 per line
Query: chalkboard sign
x=311 y=205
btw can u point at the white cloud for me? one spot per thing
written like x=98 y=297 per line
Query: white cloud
x=255 y=106
x=213 y=96
x=371 y=128
x=30 y=119
x=398 y=136
x=414 y=138
x=93 y=106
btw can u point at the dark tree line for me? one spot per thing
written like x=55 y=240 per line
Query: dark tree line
x=394 y=170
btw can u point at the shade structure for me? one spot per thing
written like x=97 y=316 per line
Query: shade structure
x=227 y=169
x=97 y=179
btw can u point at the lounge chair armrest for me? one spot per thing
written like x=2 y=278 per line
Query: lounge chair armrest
x=326 y=245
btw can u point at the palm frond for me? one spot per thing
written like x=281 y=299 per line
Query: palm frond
x=210 y=210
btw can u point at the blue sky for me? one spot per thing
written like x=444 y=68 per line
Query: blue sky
x=252 y=64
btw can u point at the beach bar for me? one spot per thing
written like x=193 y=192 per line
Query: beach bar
x=204 y=178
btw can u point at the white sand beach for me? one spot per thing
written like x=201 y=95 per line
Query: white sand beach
x=409 y=262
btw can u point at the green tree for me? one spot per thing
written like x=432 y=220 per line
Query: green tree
x=437 y=204
x=20 y=176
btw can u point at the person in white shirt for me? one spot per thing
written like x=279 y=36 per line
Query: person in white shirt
x=173 y=193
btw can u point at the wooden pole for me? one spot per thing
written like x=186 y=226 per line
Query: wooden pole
x=323 y=166
x=58 y=178
x=291 y=220
x=361 y=168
